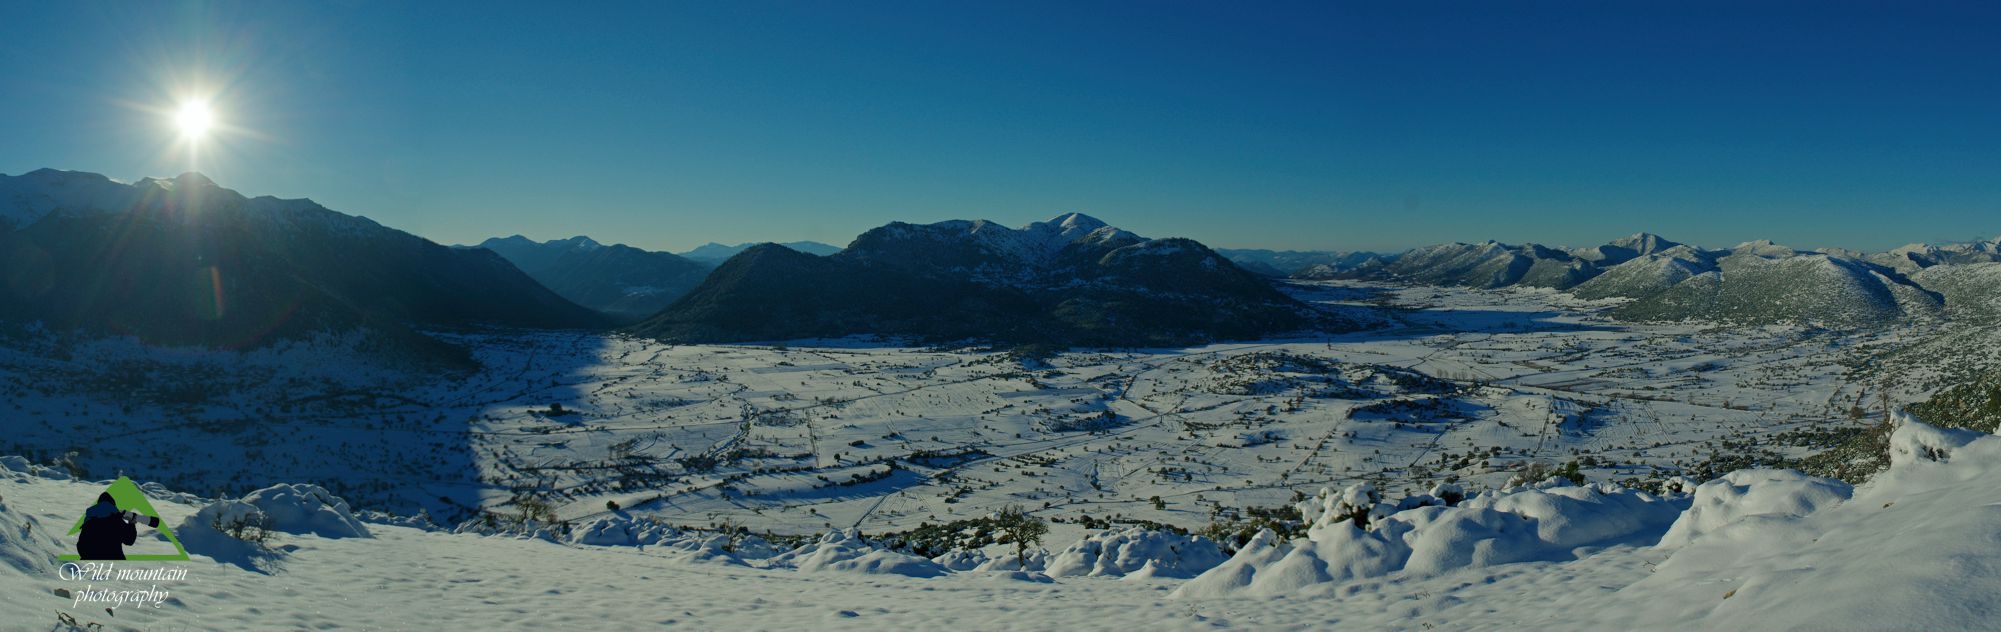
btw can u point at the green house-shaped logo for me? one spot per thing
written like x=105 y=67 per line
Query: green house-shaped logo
x=129 y=498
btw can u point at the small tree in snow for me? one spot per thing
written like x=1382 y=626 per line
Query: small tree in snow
x=248 y=526
x=1020 y=528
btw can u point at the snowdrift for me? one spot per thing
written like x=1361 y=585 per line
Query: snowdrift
x=307 y=509
x=622 y=529
x=961 y=560
x=1034 y=561
x=208 y=532
x=1130 y=551
x=21 y=469
x=1353 y=534
x=233 y=531
x=844 y=551
x=1134 y=551
x=1916 y=548
x=1749 y=498
x=26 y=545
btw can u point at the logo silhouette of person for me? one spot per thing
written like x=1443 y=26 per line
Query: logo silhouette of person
x=105 y=533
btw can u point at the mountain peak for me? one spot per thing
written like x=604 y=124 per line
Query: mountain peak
x=1068 y=280
x=579 y=242
x=715 y=253
x=1070 y=228
x=1081 y=221
x=46 y=174
x=765 y=252
x=36 y=194
x=1763 y=248
x=194 y=177
x=187 y=180
x=1644 y=243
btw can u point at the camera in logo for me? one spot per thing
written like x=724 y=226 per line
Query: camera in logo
x=137 y=518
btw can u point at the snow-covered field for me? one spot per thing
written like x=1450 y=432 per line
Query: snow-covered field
x=810 y=443
x=1913 y=549
x=849 y=433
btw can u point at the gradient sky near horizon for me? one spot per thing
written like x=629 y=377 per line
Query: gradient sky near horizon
x=1319 y=125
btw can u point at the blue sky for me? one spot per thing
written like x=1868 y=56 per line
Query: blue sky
x=1326 y=125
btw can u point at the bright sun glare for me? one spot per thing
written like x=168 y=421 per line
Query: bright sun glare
x=194 y=119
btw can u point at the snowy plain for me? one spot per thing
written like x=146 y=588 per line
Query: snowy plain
x=1472 y=385
x=820 y=439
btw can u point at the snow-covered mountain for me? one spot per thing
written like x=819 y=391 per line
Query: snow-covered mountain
x=1492 y=264
x=1486 y=265
x=625 y=282
x=714 y=254
x=1625 y=249
x=1072 y=279
x=1914 y=257
x=1752 y=282
x=1762 y=282
x=1042 y=253
x=1751 y=285
x=531 y=255
x=1971 y=291
x=27 y=198
x=1647 y=274
x=184 y=261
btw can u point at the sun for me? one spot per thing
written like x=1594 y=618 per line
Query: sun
x=194 y=119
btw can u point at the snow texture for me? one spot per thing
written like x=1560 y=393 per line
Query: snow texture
x=844 y=552
x=1121 y=552
x=1914 y=548
x=1354 y=535
x=300 y=508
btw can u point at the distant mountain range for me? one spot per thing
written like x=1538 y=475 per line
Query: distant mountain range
x=186 y=262
x=714 y=254
x=1915 y=257
x=1754 y=282
x=1285 y=263
x=1071 y=280
x=624 y=282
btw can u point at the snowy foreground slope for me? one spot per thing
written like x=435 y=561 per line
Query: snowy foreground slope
x=1915 y=548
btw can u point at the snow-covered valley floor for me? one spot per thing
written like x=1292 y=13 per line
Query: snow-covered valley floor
x=1470 y=386
x=629 y=453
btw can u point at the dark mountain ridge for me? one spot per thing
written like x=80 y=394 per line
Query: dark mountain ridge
x=624 y=282
x=186 y=262
x=1069 y=281
x=713 y=254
